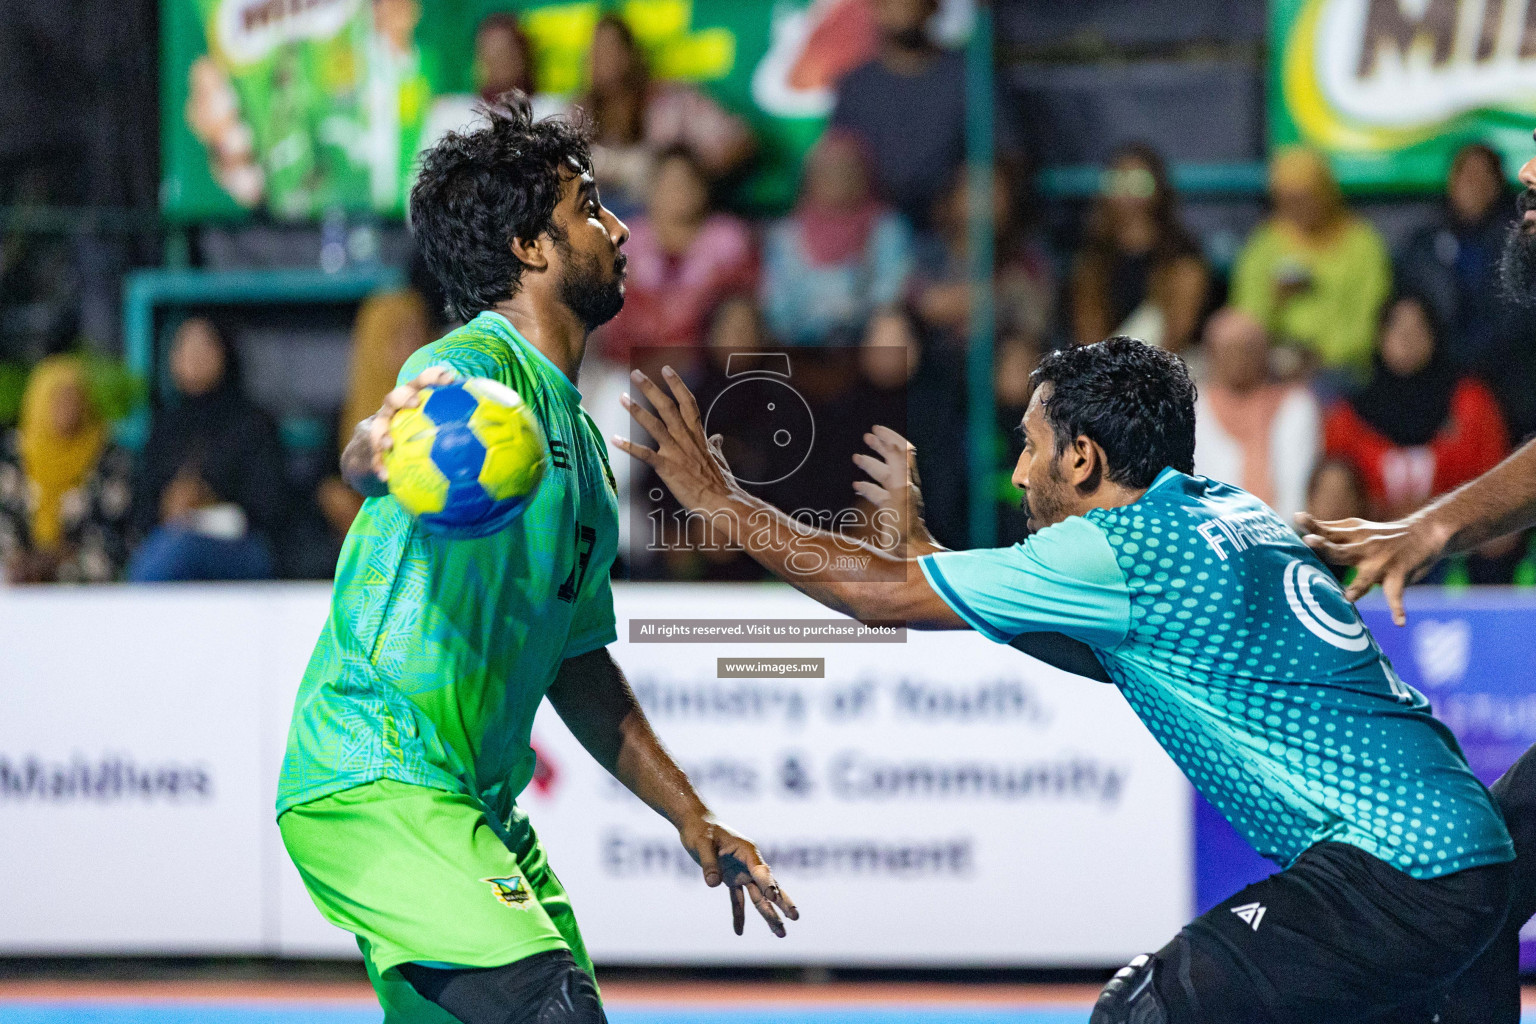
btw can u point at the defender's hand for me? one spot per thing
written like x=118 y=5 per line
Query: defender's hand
x=893 y=484
x=690 y=464
x=406 y=396
x=1393 y=554
x=733 y=859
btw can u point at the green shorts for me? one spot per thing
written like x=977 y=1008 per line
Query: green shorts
x=424 y=875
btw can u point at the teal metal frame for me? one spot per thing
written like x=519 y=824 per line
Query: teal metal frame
x=146 y=290
x=981 y=415
x=1237 y=180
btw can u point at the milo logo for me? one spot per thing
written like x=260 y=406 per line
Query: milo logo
x=246 y=31
x=1378 y=74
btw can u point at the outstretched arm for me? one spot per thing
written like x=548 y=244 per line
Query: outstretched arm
x=598 y=706
x=890 y=586
x=893 y=485
x=1398 y=553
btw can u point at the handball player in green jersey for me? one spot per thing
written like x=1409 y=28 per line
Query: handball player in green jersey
x=410 y=736
x=1500 y=502
x=1235 y=647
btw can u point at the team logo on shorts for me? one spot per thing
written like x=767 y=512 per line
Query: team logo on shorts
x=512 y=891
x=1251 y=913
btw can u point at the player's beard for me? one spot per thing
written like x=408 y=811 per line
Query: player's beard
x=1517 y=265
x=595 y=296
x=1047 y=507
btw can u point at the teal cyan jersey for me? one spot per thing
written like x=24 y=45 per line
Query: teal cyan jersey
x=438 y=651
x=1238 y=650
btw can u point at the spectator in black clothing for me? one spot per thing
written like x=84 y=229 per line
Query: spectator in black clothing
x=1013 y=360
x=211 y=492
x=909 y=105
x=1453 y=261
x=1023 y=279
x=1139 y=272
x=899 y=358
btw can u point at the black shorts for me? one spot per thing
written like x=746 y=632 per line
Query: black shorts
x=1339 y=937
x=546 y=988
x=1489 y=992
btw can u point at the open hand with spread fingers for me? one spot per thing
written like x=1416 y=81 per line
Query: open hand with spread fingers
x=691 y=465
x=406 y=396
x=893 y=485
x=1393 y=554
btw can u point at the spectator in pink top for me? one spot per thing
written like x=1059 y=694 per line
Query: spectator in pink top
x=683 y=260
x=1252 y=430
x=636 y=118
x=839 y=256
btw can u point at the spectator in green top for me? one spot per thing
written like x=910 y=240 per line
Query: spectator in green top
x=1314 y=274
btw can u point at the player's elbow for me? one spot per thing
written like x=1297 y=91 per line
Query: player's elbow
x=881 y=603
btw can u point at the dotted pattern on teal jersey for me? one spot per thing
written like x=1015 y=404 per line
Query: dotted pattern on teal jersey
x=1295 y=739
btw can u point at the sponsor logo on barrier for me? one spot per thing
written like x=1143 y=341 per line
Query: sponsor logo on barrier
x=857 y=776
x=626 y=855
x=1442 y=650
x=110 y=778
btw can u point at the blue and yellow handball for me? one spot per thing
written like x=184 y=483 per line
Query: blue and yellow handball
x=468 y=459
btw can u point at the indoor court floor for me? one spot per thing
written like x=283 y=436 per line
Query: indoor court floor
x=73 y=1002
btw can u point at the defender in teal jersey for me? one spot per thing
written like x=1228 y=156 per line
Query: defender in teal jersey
x=1396 y=554
x=1243 y=658
x=410 y=736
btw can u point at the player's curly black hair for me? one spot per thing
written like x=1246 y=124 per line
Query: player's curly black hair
x=481 y=188
x=1136 y=401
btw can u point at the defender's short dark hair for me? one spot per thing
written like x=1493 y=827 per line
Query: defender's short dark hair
x=1135 y=401
x=481 y=188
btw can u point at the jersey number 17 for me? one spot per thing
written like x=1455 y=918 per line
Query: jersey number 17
x=586 y=537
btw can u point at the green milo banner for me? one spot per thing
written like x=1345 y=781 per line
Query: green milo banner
x=295 y=108
x=1389 y=89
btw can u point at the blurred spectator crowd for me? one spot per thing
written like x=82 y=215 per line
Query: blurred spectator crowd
x=1336 y=375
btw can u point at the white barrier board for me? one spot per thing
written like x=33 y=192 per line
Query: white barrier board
x=938 y=801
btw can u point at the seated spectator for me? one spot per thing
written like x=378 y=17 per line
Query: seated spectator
x=211 y=492
x=1314 y=274
x=64 y=487
x=1251 y=430
x=1454 y=260
x=1334 y=491
x=898 y=358
x=839 y=256
x=636 y=118
x=1024 y=286
x=389 y=327
x=1139 y=272
x=504 y=61
x=908 y=105
x=1420 y=427
x=503 y=57
x=1013 y=361
x=737 y=323
x=683 y=260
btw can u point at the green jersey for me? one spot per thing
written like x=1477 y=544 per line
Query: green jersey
x=437 y=652
x=1238 y=650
